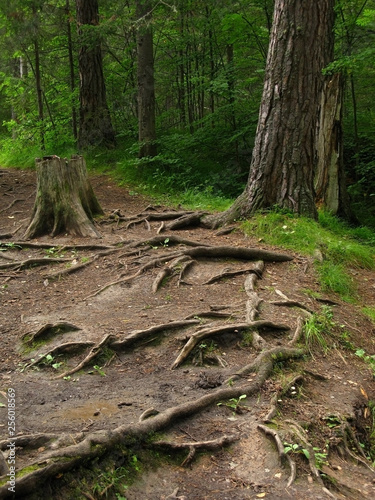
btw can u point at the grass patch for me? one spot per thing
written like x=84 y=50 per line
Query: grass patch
x=342 y=247
x=317 y=328
x=369 y=312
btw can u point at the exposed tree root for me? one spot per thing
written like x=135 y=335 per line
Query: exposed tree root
x=22 y=264
x=168 y=271
x=138 y=335
x=169 y=240
x=278 y=395
x=219 y=252
x=301 y=435
x=346 y=430
x=220 y=330
x=229 y=273
x=210 y=314
x=11 y=205
x=77 y=267
x=49 y=330
x=53 y=462
x=281 y=450
x=189 y=220
x=263 y=359
x=67 y=347
x=192 y=447
x=291 y=303
x=4 y=236
x=94 y=352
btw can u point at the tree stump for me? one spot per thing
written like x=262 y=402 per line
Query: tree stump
x=65 y=201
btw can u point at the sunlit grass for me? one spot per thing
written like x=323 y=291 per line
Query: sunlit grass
x=340 y=246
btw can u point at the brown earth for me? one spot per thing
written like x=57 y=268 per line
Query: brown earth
x=328 y=405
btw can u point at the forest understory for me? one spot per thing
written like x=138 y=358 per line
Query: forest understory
x=160 y=362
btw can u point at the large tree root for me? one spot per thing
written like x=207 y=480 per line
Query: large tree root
x=220 y=330
x=52 y=462
x=208 y=252
x=94 y=352
x=48 y=331
x=173 y=267
x=68 y=347
x=22 y=264
x=192 y=447
x=138 y=335
x=281 y=450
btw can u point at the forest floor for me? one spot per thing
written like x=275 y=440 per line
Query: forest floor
x=322 y=402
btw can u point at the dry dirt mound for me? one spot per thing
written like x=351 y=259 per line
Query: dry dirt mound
x=193 y=333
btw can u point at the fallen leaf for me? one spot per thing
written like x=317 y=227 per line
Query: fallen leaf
x=364 y=393
x=261 y=495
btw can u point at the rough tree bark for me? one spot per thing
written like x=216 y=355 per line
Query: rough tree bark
x=330 y=184
x=145 y=77
x=95 y=126
x=284 y=156
x=65 y=200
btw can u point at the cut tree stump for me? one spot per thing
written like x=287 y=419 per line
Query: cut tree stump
x=65 y=201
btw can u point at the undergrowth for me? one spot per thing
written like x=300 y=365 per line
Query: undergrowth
x=337 y=246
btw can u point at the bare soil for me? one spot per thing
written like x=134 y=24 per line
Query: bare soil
x=322 y=400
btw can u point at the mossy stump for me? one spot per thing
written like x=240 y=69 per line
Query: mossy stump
x=65 y=201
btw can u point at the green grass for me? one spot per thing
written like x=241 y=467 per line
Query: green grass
x=370 y=313
x=317 y=328
x=341 y=246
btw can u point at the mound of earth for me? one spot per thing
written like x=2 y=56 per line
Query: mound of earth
x=159 y=363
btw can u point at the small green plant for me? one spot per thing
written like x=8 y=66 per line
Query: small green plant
x=54 y=252
x=345 y=339
x=99 y=370
x=234 y=404
x=370 y=360
x=49 y=360
x=320 y=458
x=296 y=448
x=9 y=246
x=332 y=421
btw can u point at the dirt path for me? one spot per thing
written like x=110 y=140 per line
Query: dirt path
x=104 y=313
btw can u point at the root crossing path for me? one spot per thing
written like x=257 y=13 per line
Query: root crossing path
x=172 y=352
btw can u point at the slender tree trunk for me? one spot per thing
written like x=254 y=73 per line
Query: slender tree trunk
x=284 y=156
x=231 y=89
x=39 y=92
x=146 y=84
x=95 y=126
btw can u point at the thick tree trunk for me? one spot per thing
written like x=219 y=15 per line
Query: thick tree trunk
x=65 y=201
x=95 y=126
x=284 y=156
x=145 y=76
x=71 y=68
x=330 y=185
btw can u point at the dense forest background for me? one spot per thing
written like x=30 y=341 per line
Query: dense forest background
x=206 y=74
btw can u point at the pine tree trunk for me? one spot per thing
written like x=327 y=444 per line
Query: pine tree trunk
x=145 y=76
x=330 y=185
x=65 y=201
x=95 y=125
x=284 y=157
